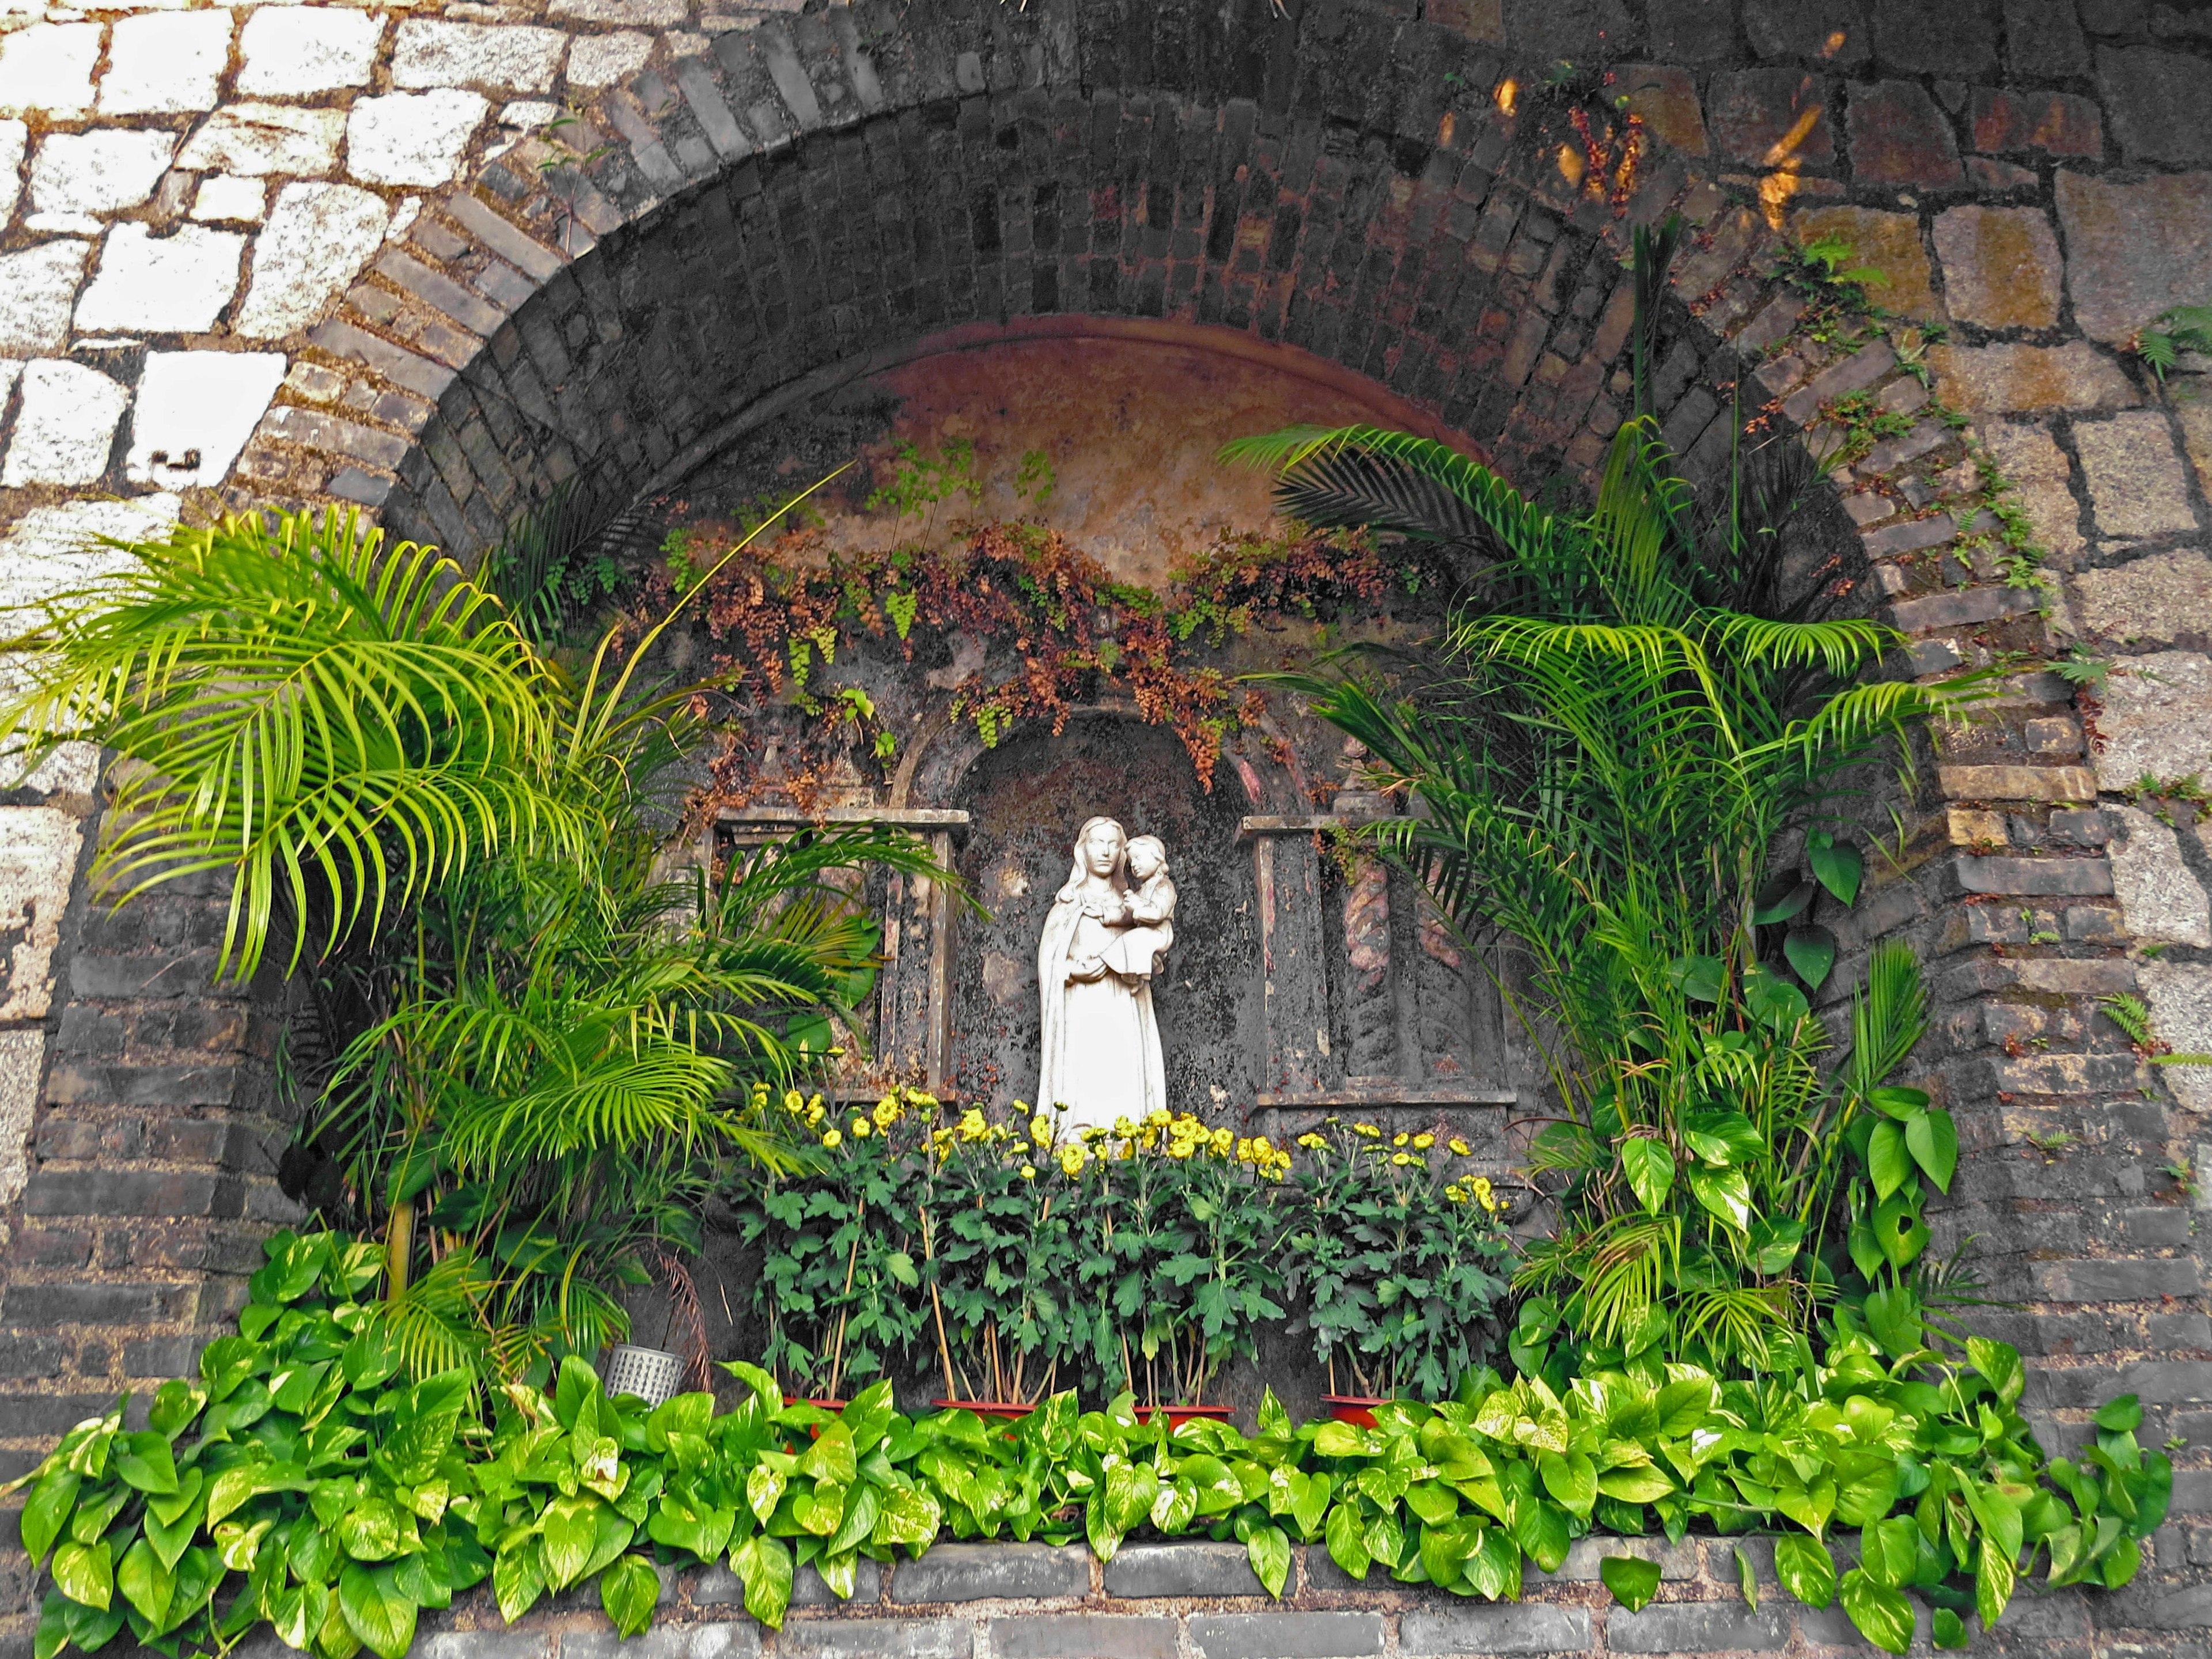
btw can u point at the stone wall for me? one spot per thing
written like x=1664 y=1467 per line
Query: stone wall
x=341 y=254
x=1203 y=1601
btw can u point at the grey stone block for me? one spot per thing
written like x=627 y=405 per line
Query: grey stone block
x=1082 y=1636
x=1696 y=1627
x=1586 y=1556
x=971 y=1572
x=1286 y=1635
x=719 y=1638
x=489 y=1645
x=1144 y=1569
x=876 y=1638
x=1502 y=1628
x=1323 y=1574
x=718 y=1586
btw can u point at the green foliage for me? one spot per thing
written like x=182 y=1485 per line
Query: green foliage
x=333 y=725
x=2182 y=329
x=1396 y=1256
x=1627 y=722
x=545 y=1058
x=1012 y=1258
x=304 y=1482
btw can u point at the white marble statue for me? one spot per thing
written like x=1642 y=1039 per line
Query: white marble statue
x=1101 y=944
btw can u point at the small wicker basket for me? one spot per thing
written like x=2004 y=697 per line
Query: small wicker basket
x=653 y=1375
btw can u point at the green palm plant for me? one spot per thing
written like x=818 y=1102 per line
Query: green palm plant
x=1629 y=720
x=540 y=1038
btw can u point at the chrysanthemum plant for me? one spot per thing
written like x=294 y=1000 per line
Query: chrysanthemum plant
x=1397 y=1252
x=1181 y=1241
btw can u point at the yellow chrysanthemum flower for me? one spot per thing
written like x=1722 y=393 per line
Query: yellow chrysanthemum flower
x=1224 y=1140
x=887 y=1111
x=1399 y=1138
x=1040 y=1129
x=916 y=1098
x=862 y=1128
x=972 y=1126
x=832 y=1140
x=1180 y=1148
x=1366 y=1131
x=1459 y=1147
x=1029 y=1172
x=1422 y=1143
x=793 y=1101
x=1403 y=1159
x=1073 y=1159
x=816 y=1113
x=1311 y=1142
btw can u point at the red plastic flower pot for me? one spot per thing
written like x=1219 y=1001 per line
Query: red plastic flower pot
x=1357 y=1409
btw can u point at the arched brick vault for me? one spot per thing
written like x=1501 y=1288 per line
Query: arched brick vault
x=764 y=195
x=1415 y=265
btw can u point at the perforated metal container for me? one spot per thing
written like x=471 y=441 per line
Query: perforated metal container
x=651 y=1374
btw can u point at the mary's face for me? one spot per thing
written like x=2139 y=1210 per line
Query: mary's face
x=1101 y=848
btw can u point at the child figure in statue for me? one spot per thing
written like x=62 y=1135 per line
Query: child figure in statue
x=1136 y=953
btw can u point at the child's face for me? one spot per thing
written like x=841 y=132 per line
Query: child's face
x=1144 y=862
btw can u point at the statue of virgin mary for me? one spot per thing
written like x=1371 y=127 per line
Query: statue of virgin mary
x=1100 y=1056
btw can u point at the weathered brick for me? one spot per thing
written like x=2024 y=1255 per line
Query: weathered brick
x=1286 y=1635
x=971 y=1572
x=2115 y=1279
x=1693 y=1627
x=2053 y=783
x=1909 y=536
x=1503 y=1628
x=1960 y=608
x=1082 y=1636
x=1855 y=374
x=81 y=1303
x=129 y=1192
x=1150 y=1570
x=876 y=1638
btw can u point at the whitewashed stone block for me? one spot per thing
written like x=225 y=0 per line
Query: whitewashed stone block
x=65 y=425
x=432 y=54
x=600 y=60
x=647 y=14
x=15 y=137
x=23 y=1057
x=227 y=199
x=318 y=238
x=256 y=140
x=291 y=51
x=37 y=288
x=2161 y=900
x=2157 y=721
x=48 y=68
x=103 y=171
x=159 y=64
x=39 y=848
x=53 y=550
x=195 y=411
x=176 y=284
x=412 y=138
x=527 y=114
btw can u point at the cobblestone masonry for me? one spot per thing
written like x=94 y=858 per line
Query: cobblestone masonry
x=348 y=254
x=1201 y=1601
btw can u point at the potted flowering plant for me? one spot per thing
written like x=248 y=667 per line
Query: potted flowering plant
x=1395 y=1245
x=1180 y=1241
x=998 y=1239
x=839 y=1279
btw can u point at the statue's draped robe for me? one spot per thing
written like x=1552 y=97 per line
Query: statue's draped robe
x=1101 y=1042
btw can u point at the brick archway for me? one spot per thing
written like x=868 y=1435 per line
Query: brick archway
x=745 y=196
